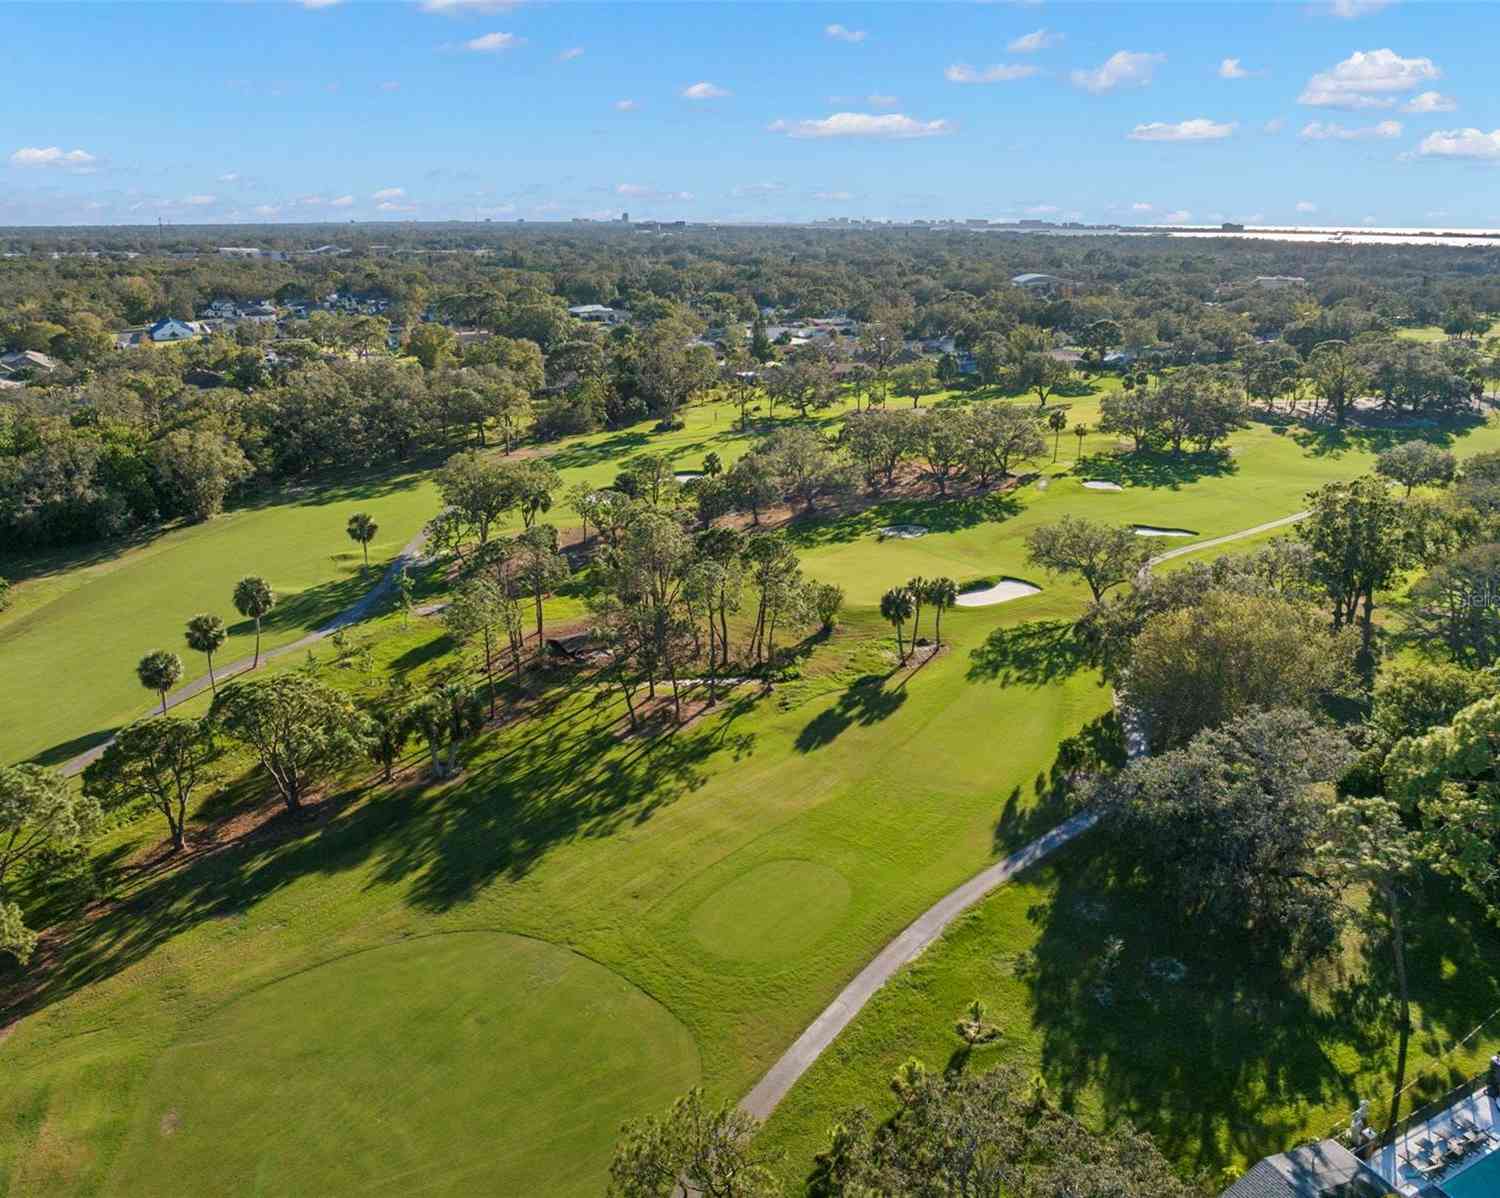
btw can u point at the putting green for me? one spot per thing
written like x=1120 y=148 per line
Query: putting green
x=462 y=1063
x=775 y=912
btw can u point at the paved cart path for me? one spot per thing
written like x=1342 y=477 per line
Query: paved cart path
x=352 y=614
x=933 y=922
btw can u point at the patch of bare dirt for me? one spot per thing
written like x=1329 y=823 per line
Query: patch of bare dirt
x=170 y=1122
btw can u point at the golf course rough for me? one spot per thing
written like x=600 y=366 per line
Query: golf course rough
x=457 y=1063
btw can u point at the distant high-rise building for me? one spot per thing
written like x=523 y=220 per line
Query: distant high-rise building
x=624 y=218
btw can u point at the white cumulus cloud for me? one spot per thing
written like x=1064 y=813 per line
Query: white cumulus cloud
x=458 y=8
x=833 y=196
x=758 y=189
x=639 y=191
x=1306 y=206
x=1461 y=143
x=80 y=162
x=341 y=202
x=703 y=91
x=1430 y=102
x=1030 y=43
x=1123 y=68
x=1349 y=10
x=841 y=33
x=493 y=43
x=894 y=126
x=570 y=54
x=1141 y=206
x=1197 y=129
x=626 y=105
x=1180 y=217
x=389 y=193
x=1001 y=72
x=1368 y=79
x=1333 y=131
x=1230 y=68
x=200 y=201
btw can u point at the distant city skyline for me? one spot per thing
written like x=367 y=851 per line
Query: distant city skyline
x=1339 y=113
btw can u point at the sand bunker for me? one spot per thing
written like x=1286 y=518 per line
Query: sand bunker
x=686 y=476
x=906 y=532
x=1098 y=484
x=1147 y=530
x=1002 y=592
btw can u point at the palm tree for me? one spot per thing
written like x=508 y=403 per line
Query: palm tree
x=1057 y=420
x=896 y=606
x=1080 y=431
x=362 y=528
x=941 y=593
x=160 y=671
x=253 y=599
x=916 y=587
x=205 y=634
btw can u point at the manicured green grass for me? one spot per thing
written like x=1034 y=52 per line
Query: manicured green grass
x=81 y=621
x=861 y=795
x=427 y=1064
x=739 y=872
x=1227 y=1064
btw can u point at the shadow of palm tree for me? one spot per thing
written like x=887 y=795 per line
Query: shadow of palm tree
x=866 y=702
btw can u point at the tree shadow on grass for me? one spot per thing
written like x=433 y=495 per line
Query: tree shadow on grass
x=554 y=783
x=866 y=702
x=1195 y=1039
x=612 y=449
x=1209 y=1041
x=1097 y=747
x=1030 y=654
x=1327 y=440
x=938 y=514
x=1141 y=468
x=527 y=789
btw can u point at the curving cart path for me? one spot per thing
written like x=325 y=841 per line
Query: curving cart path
x=933 y=922
x=356 y=611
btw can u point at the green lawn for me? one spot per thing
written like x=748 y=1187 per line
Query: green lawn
x=81 y=621
x=1223 y=1063
x=447 y=1056
x=738 y=872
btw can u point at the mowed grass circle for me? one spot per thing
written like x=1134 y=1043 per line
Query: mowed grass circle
x=774 y=912
x=462 y=1063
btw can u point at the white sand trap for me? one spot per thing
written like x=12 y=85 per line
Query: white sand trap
x=686 y=476
x=1146 y=530
x=906 y=532
x=1002 y=592
x=1098 y=484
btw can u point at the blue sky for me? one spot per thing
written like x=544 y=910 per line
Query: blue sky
x=1331 y=112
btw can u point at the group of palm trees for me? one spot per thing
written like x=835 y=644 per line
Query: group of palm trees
x=161 y=669
x=903 y=603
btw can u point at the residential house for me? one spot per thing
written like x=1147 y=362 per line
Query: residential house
x=598 y=314
x=1276 y=282
x=1032 y=281
x=1323 y=1170
x=169 y=328
x=27 y=361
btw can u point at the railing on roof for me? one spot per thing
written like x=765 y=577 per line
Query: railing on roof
x=1428 y=1110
